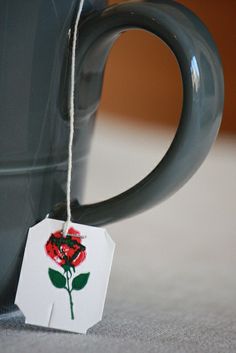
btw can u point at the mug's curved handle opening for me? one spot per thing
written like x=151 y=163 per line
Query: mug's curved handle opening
x=203 y=97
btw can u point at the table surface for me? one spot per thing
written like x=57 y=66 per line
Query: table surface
x=173 y=283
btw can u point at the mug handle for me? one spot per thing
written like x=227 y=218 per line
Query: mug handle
x=203 y=98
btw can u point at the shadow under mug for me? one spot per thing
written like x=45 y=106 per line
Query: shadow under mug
x=35 y=39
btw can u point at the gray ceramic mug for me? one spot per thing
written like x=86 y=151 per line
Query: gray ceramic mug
x=35 y=49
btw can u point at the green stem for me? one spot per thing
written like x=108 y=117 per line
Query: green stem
x=70 y=296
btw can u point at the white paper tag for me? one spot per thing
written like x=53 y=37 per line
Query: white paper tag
x=63 y=280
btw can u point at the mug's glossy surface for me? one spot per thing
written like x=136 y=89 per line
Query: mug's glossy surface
x=34 y=59
x=35 y=42
x=203 y=89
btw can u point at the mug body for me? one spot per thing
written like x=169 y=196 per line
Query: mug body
x=34 y=128
x=35 y=57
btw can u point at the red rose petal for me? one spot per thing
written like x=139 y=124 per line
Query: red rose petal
x=61 y=250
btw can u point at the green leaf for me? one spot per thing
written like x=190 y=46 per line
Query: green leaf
x=80 y=281
x=57 y=279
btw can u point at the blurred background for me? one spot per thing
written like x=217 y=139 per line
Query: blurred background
x=142 y=79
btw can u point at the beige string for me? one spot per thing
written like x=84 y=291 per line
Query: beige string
x=72 y=118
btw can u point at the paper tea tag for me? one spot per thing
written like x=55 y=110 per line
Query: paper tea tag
x=63 y=280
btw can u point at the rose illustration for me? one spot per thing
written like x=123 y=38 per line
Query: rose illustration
x=67 y=252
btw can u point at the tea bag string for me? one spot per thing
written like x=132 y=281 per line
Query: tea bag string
x=72 y=118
